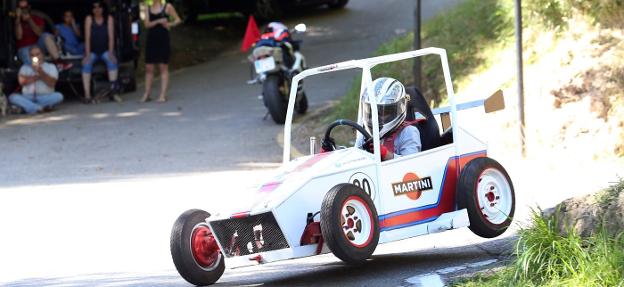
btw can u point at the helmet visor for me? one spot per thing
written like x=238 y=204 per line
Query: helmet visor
x=386 y=113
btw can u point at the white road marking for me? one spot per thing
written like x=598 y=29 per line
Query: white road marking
x=451 y=269
x=435 y=280
x=427 y=280
x=482 y=263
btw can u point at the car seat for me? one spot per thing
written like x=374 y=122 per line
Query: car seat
x=429 y=130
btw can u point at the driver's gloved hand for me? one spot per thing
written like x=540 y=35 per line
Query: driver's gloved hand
x=328 y=145
x=368 y=146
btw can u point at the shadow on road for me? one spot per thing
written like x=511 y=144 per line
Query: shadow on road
x=385 y=269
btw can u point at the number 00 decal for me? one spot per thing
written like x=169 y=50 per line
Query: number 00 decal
x=364 y=182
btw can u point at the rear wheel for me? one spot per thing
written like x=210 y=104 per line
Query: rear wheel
x=188 y=10
x=349 y=223
x=274 y=99
x=486 y=191
x=269 y=10
x=337 y=4
x=301 y=107
x=194 y=249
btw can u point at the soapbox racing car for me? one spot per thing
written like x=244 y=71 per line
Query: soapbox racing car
x=347 y=201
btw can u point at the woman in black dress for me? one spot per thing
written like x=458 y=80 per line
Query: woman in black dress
x=157 y=46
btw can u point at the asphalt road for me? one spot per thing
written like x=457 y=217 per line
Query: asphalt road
x=213 y=122
x=88 y=193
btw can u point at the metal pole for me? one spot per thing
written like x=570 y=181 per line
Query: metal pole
x=520 y=74
x=417 y=45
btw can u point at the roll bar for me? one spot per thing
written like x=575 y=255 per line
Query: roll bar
x=366 y=65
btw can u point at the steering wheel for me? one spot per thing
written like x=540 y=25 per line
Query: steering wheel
x=328 y=143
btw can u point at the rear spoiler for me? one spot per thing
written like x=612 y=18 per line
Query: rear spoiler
x=493 y=103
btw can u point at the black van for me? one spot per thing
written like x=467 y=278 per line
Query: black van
x=263 y=10
x=126 y=15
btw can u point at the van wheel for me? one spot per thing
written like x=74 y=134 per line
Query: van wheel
x=267 y=10
x=485 y=190
x=194 y=249
x=349 y=223
x=128 y=79
x=337 y=4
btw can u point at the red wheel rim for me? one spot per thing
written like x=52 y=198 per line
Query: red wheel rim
x=204 y=247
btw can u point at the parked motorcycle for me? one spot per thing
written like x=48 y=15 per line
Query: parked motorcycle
x=276 y=60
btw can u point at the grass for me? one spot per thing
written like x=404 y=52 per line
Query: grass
x=544 y=257
x=469 y=32
x=610 y=194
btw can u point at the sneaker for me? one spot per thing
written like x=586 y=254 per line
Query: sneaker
x=116 y=98
x=114 y=92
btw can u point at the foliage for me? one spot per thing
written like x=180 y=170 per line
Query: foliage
x=467 y=32
x=554 y=13
x=544 y=257
x=610 y=194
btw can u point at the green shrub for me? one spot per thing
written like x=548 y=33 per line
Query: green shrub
x=467 y=32
x=544 y=257
x=610 y=194
x=543 y=254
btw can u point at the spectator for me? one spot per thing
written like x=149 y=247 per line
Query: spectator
x=37 y=80
x=70 y=32
x=29 y=32
x=157 y=46
x=100 y=45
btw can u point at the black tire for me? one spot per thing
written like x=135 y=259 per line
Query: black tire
x=182 y=253
x=332 y=225
x=337 y=4
x=274 y=99
x=127 y=79
x=269 y=10
x=302 y=104
x=188 y=10
x=488 y=174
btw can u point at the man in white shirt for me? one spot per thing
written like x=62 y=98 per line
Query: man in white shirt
x=37 y=80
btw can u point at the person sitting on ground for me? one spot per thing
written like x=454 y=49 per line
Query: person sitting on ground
x=37 y=80
x=100 y=44
x=70 y=33
x=29 y=32
x=398 y=137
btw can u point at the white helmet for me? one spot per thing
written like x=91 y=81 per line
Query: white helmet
x=391 y=101
x=276 y=27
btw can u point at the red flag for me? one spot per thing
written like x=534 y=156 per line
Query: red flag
x=251 y=35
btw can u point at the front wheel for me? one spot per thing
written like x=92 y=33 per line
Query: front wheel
x=349 y=223
x=485 y=190
x=194 y=249
x=274 y=99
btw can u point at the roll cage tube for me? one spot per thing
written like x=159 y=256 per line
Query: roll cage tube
x=366 y=65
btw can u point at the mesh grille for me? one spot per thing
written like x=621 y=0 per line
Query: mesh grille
x=253 y=234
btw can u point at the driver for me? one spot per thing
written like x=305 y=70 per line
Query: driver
x=398 y=137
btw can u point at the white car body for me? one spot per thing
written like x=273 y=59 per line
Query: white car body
x=414 y=195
